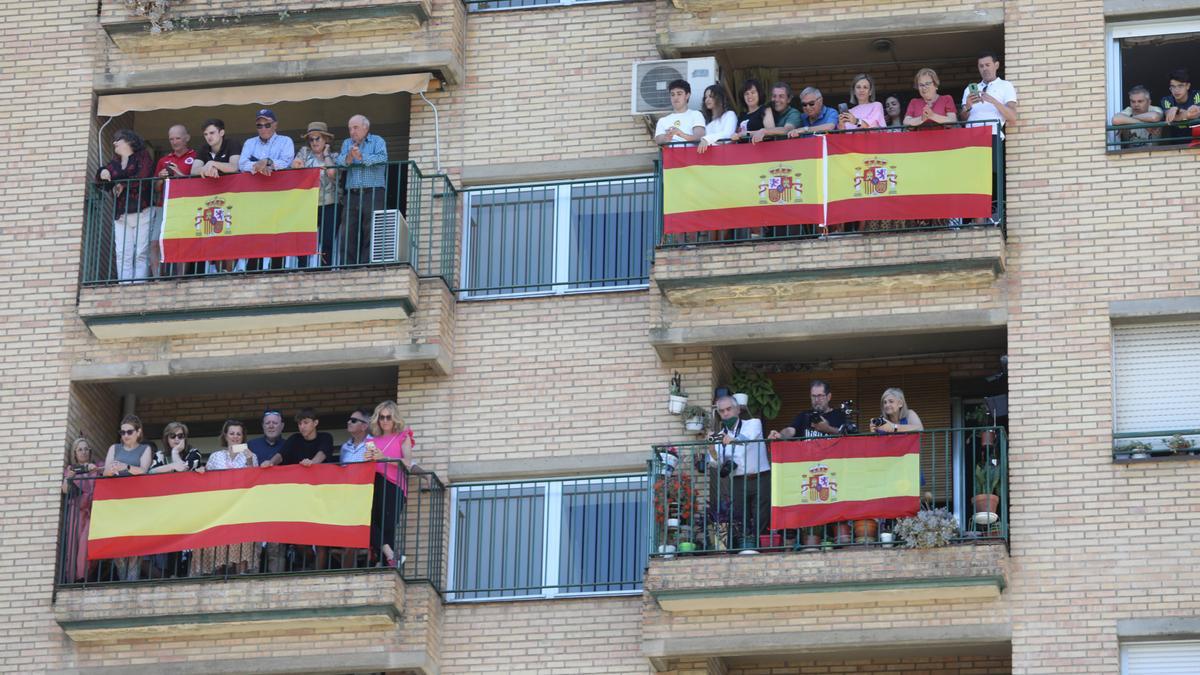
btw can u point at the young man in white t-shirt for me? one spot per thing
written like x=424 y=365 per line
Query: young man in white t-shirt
x=683 y=125
x=991 y=99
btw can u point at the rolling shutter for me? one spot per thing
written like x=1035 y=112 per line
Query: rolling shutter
x=1156 y=376
x=1169 y=657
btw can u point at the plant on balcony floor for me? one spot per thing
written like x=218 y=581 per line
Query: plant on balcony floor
x=930 y=528
x=1134 y=450
x=763 y=401
x=987 y=492
x=673 y=498
x=722 y=531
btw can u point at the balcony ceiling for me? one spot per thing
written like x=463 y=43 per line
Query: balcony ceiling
x=907 y=48
x=237 y=383
x=868 y=346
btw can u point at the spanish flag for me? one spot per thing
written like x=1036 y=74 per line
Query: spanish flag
x=883 y=175
x=826 y=480
x=745 y=185
x=323 y=505
x=240 y=216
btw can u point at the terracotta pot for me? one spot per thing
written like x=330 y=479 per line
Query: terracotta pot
x=845 y=533
x=770 y=540
x=987 y=438
x=811 y=540
x=865 y=530
x=986 y=503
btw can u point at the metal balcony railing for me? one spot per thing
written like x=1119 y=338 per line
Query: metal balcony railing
x=412 y=221
x=698 y=510
x=1152 y=136
x=784 y=232
x=418 y=542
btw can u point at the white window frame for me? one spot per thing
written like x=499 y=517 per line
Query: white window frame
x=551 y=537
x=1154 y=649
x=561 y=283
x=1115 y=32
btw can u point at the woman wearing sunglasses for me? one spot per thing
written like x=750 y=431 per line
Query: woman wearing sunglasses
x=177 y=457
x=394 y=440
x=130 y=457
x=316 y=154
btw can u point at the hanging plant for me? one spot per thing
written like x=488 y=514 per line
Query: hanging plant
x=764 y=402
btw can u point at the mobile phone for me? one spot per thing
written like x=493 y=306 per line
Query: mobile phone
x=974 y=88
x=842 y=107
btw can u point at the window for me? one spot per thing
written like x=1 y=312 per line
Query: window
x=548 y=538
x=559 y=238
x=1144 y=53
x=493 y=5
x=1167 y=657
x=1156 y=373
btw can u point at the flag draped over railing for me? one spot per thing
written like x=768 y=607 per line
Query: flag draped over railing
x=240 y=216
x=829 y=179
x=825 y=480
x=323 y=505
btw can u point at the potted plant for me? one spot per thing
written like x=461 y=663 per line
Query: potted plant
x=669 y=457
x=761 y=399
x=695 y=418
x=930 y=528
x=1133 y=450
x=673 y=500
x=1178 y=444
x=811 y=539
x=677 y=399
x=987 y=493
x=977 y=416
x=844 y=533
x=720 y=525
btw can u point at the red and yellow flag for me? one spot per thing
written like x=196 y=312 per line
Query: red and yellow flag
x=240 y=216
x=825 y=480
x=323 y=505
x=747 y=185
x=940 y=173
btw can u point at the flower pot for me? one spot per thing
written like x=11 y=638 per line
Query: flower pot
x=668 y=550
x=687 y=547
x=770 y=540
x=669 y=462
x=676 y=404
x=741 y=399
x=986 y=508
x=886 y=538
x=672 y=522
x=865 y=530
x=844 y=533
x=811 y=540
x=987 y=438
x=695 y=424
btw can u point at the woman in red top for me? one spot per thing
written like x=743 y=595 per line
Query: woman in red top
x=391 y=439
x=129 y=177
x=929 y=109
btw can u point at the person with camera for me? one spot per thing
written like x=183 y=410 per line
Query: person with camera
x=744 y=476
x=897 y=418
x=820 y=422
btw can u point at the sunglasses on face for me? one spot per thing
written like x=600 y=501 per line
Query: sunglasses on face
x=177 y=436
x=385 y=417
x=128 y=432
x=313 y=139
x=355 y=420
x=808 y=104
x=264 y=126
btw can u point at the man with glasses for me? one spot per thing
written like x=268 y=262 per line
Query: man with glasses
x=355 y=449
x=365 y=156
x=268 y=151
x=819 y=422
x=271 y=442
x=1181 y=108
x=815 y=117
x=743 y=474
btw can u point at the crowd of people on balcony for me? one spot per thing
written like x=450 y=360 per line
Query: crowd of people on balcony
x=740 y=469
x=376 y=434
x=345 y=211
x=992 y=100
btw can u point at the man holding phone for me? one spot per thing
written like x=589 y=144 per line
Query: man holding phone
x=174 y=164
x=992 y=98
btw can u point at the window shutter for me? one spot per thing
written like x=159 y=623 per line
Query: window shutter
x=1156 y=373
x=1169 y=657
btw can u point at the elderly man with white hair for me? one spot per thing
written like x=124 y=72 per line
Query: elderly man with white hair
x=365 y=155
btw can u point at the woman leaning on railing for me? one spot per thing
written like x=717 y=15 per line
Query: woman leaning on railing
x=127 y=176
x=237 y=558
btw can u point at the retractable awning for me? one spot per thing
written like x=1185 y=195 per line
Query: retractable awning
x=262 y=94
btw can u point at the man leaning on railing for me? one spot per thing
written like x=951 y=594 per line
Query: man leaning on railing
x=820 y=422
x=682 y=124
x=1139 y=111
x=1182 y=107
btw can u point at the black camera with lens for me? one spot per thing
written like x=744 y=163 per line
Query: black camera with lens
x=727 y=467
x=879 y=421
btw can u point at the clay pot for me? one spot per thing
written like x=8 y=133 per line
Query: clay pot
x=845 y=533
x=865 y=530
x=811 y=540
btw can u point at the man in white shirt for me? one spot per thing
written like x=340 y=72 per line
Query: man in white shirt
x=991 y=99
x=683 y=125
x=743 y=472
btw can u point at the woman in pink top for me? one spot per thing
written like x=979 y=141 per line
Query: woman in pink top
x=391 y=439
x=929 y=109
x=867 y=113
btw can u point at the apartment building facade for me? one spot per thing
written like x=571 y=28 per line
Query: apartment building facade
x=533 y=314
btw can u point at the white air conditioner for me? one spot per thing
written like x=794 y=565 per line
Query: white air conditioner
x=389 y=236
x=650 y=80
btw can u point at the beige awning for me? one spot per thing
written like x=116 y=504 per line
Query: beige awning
x=262 y=94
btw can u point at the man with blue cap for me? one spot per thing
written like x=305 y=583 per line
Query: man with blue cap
x=268 y=150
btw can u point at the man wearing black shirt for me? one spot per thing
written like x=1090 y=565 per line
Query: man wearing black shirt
x=828 y=422
x=307 y=447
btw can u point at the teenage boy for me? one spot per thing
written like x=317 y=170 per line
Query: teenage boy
x=684 y=124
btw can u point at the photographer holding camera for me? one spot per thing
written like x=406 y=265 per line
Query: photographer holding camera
x=820 y=422
x=744 y=476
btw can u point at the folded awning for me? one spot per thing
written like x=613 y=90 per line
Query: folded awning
x=262 y=94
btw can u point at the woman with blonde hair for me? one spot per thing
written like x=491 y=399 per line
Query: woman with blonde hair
x=237 y=558
x=865 y=112
x=392 y=439
x=78 y=486
x=896 y=417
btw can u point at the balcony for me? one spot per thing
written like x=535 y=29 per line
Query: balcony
x=411 y=246
x=861 y=571
x=286 y=588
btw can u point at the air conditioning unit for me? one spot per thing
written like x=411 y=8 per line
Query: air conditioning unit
x=389 y=237
x=650 y=80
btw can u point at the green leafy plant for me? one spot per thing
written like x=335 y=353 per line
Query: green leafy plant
x=930 y=528
x=764 y=402
x=977 y=416
x=987 y=479
x=676 y=388
x=1134 y=447
x=692 y=411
